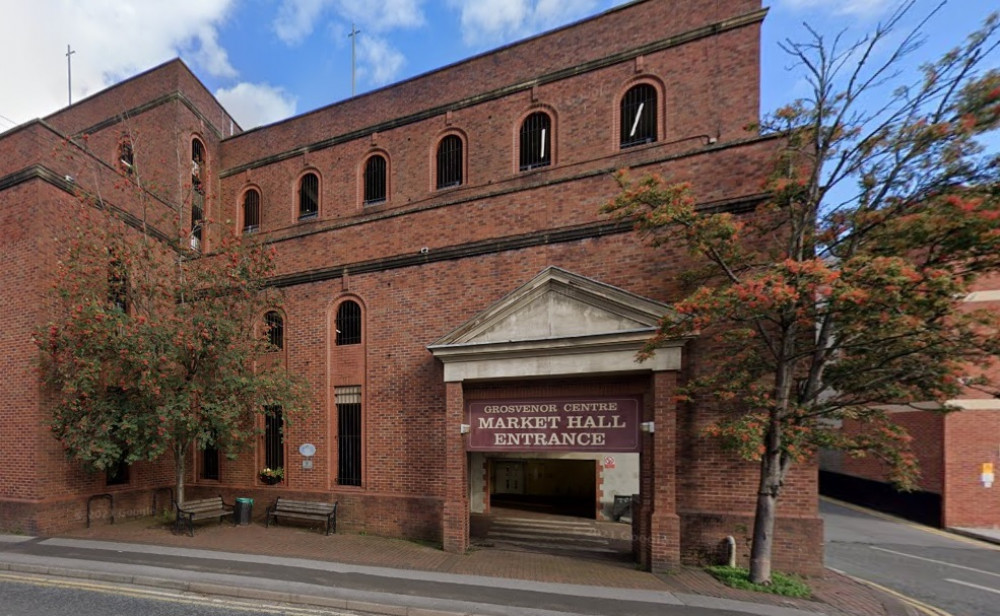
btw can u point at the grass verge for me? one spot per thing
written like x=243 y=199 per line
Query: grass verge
x=781 y=584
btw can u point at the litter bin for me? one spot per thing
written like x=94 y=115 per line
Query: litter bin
x=243 y=511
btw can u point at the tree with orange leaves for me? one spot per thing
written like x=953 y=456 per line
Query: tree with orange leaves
x=843 y=293
x=155 y=348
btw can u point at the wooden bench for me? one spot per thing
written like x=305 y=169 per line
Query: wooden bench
x=303 y=510
x=200 y=509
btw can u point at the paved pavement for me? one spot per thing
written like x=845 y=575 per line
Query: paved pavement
x=391 y=576
x=991 y=535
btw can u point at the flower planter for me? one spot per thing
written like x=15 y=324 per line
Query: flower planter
x=270 y=480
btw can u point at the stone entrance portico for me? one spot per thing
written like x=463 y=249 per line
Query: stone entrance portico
x=564 y=326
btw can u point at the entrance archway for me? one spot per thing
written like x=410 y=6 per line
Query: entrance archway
x=537 y=374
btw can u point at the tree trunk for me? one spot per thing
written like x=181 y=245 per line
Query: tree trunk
x=179 y=473
x=763 y=526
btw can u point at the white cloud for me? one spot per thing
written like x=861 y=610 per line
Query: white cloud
x=380 y=62
x=391 y=14
x=858 y=8
x=486 y=22
x=256 y=104
x=297 y=19
x=112 y=40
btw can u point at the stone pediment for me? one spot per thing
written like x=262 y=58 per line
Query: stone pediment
x=557 y=323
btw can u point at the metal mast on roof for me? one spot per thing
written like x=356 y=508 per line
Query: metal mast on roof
x=69 y=73
x=354 y=37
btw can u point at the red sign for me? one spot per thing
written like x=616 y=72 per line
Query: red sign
x=565 y=424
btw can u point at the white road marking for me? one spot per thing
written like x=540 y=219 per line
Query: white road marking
x=937 y=562
x=971 y=585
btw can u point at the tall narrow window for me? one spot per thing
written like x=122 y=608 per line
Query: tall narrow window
x=251 y=211
x=638 y=116
x=275 y=330
x=308 y=196
x=197 y=164
x=210 y=462
x=375 y=179
x=118 y=474
x=536 y=141
x=117 y=284
x=348 y=323
x=126 y=156
x=274 y=442
x=198 y=193
x=348 y=401
x=449 y=162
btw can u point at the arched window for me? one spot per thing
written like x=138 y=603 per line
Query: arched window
x=375 y=179
x=308 y=196
x=449 y=162
x=275 y=330
x=638 y=116
x=536 y=141
x=251 y=211
x=348 y=323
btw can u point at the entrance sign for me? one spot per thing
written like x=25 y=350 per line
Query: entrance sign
x=563 y=424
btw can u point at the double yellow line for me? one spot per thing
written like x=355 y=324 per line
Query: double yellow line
x=169 y=597
x=920 y=606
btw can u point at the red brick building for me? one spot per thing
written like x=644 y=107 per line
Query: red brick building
x=463 y=313
x=958 y=454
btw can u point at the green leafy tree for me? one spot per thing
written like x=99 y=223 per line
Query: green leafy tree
x=155 y=348
x=843 y=293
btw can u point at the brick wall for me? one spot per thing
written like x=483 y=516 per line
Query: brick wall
x=971 y=438
x=482 y=239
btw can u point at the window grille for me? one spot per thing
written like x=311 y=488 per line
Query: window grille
x=309 y=196
x=536 y=141
x=449 y=162
x=197 y=162
x=275 y=330
x=638 y=116
x=348 y=323
x=251 y=211
x=196 y=221
x=274 y=444
x=210 y=462
x=348 y=401
x=375 y=180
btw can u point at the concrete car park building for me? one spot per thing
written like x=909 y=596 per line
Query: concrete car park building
x=465 y=316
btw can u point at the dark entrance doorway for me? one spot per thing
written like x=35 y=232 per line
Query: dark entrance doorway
x=562 y=487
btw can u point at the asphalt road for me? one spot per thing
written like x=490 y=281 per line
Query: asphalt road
x=29 y=595
x=957 y=575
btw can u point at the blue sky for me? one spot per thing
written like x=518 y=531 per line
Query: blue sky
x=269 y=59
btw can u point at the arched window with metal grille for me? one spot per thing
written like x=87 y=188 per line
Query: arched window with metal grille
x=637 y=124
x=308 y=196
x=251 y=211
x=275 y=330
x=449 y=162
x=376 y=168
x=348 y=323
x=536 y=141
